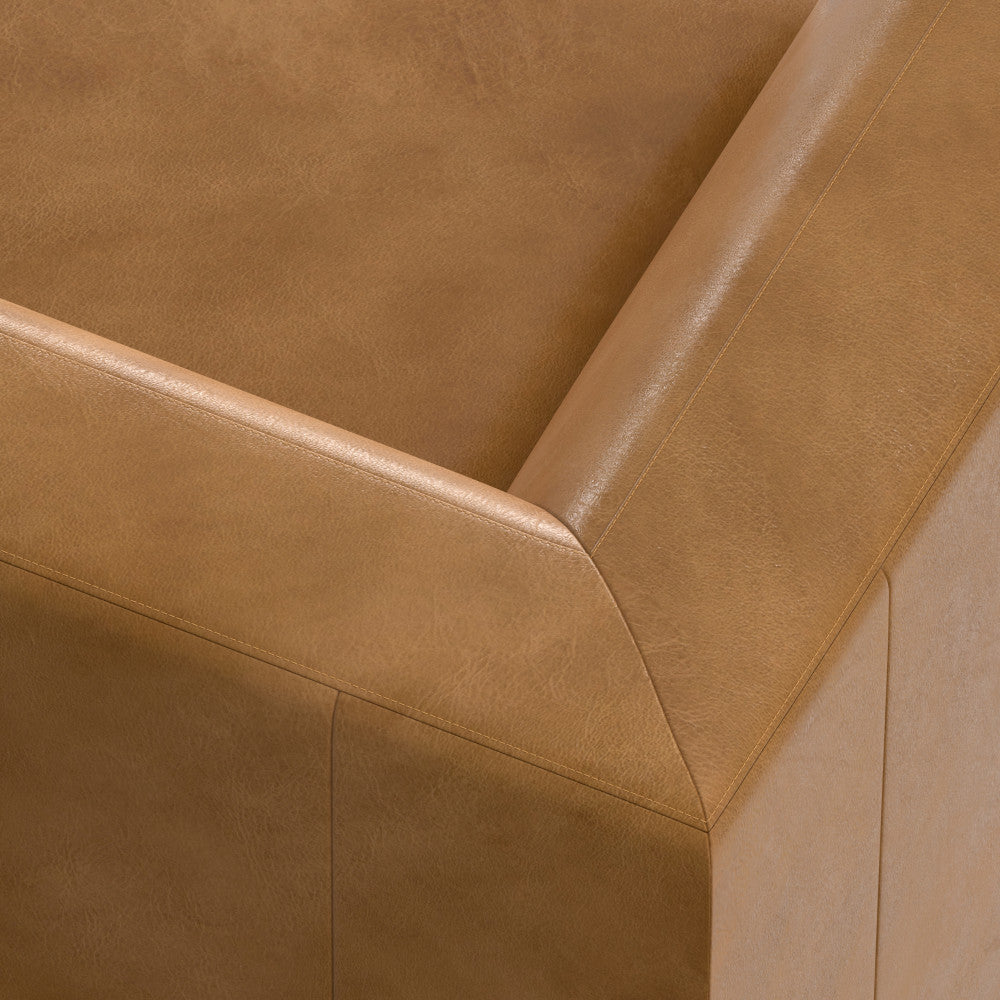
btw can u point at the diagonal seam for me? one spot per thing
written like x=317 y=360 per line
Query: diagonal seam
x=652 y=684
x=349 y=687
x=767 y=282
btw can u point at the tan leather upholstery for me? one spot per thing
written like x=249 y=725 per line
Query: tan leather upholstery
x=412 y=219
x=497 y=879
x=331 y=556
x=795 y=855
x=845 y=339
x=356 y=569
x=703 y=708
x=165 y=829
x=942 y=800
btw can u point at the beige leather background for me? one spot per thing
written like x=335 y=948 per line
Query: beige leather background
x=706 y=711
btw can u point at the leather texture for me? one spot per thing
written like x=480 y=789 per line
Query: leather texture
x=842 y=350
x=435 y=206
x=795 y=855
x=301 y=545
x=166 y=810
x=288 y=542
x=703 y=708
x=719 y=257
x=940 y=894
x=463 y=873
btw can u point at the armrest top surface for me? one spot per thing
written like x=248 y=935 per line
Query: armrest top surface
x=324 y=554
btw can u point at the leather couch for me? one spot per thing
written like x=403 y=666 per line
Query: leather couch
x=525 y=523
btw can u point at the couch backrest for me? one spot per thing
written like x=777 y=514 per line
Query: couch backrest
x=413 y=220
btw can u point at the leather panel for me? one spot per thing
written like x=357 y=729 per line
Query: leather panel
x=461 y=872
x=308 y=549
x=717 y=258
x=165 y=830
x=836 y=396
x=413 y=220
x=940 y=905
x=795 y=855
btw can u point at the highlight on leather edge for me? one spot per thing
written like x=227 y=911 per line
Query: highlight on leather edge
x=500 y=500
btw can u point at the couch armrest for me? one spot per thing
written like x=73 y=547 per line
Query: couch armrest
x=302 y=561
x=795 y=368
x=324 y=553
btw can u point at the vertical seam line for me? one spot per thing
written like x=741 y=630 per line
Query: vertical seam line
x=333 y=851
x=866 y=580
x=885 y=754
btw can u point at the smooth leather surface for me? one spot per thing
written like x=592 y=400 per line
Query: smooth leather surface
x=275 y=695
x=455 y=617
x=413 y=220
x=843 y=349
x=940 y=895
x=166 y=810
x=795 y=855
x=718 y=257
x=429 y=828
x=463 y=873
x=300 y=545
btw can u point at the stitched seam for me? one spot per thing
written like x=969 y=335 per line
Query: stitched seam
x=652 y=684
x=774 y=271
x=670 y=813
x=711 y=904
x=865 y=581
x=333 y=843
x=349 y=687
x=885 y=755
x=394 y=484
